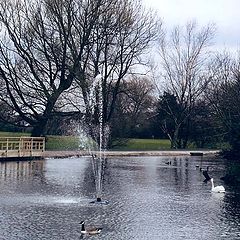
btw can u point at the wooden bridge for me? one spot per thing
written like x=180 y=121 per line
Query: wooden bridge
x=21 y=147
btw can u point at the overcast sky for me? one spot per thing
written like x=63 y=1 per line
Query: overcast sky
x=224 y=13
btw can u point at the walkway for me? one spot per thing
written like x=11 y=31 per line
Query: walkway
x=64 y=154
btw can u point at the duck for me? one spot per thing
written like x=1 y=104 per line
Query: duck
x=169 y=163
x=90 y=231
x=217 y=189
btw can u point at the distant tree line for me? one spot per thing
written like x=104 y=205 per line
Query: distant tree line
x=198 y=99
x=52 y=50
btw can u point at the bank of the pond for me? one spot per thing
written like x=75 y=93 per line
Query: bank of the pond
x=65 y=154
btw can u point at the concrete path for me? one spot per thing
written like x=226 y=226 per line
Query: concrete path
x=65 y=154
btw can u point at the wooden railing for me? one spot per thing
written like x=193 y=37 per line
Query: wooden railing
x=22 y=146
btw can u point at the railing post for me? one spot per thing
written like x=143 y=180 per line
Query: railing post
x=43 y=149
x=31 y=146
x=20 y=146
x=7 y=148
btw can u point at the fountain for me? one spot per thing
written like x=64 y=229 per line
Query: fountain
x=99 y=133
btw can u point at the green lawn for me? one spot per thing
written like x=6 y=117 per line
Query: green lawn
x=54 y=142
x=144 y=144
x=72 y=143
x=62 y=143
x=13 y=134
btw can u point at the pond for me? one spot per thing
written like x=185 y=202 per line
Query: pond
x=148 y=199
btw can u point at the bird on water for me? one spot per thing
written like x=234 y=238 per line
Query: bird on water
x=205 y=174
x=217 y=189
x=90 y=231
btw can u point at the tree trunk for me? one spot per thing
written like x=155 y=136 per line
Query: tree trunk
x=174 y=143
x=40 y=128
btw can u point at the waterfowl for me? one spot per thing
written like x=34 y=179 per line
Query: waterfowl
x=217 y=189
x=90 y=231
x=204 y=170
x=205 y=174
x=169 y=163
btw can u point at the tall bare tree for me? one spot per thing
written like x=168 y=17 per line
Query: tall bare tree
x=183 y=59
x=123 y=33
x=135 y=103
x=223 y=96
x=35 y=61
x=50 y=48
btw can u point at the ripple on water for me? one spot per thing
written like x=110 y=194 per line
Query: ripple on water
x=147 y=200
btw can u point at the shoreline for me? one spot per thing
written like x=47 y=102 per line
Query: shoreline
x=66 y=154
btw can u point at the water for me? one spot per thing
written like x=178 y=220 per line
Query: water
x=148 y=199
x=97 y=130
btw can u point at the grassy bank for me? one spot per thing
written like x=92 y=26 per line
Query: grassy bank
x=143 y=144
x=72 y=143
x=13 y=134
x=62 y=143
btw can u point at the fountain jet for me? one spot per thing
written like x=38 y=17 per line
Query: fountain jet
x=99 y=131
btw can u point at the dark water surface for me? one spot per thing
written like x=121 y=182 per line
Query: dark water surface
x=148 y=199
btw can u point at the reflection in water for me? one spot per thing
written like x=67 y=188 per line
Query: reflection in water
x=148 y=200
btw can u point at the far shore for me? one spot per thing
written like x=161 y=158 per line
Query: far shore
x=66 y=154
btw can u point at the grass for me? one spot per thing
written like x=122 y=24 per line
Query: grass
x=13 y=134
x=72 y=143
x=144 y=145
x=54 y=142
x=62 y=143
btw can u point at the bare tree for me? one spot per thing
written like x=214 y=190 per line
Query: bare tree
x=221 y=73
x=35 y=53
x=184 y=57
x=123 y=34
x=223 y=96
x=51 y=48
x=135 y=103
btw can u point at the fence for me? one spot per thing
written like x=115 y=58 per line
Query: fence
x=22 y=147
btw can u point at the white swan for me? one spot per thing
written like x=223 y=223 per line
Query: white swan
x=217 y=189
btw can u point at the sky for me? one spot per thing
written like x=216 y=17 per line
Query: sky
x=224 y=13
